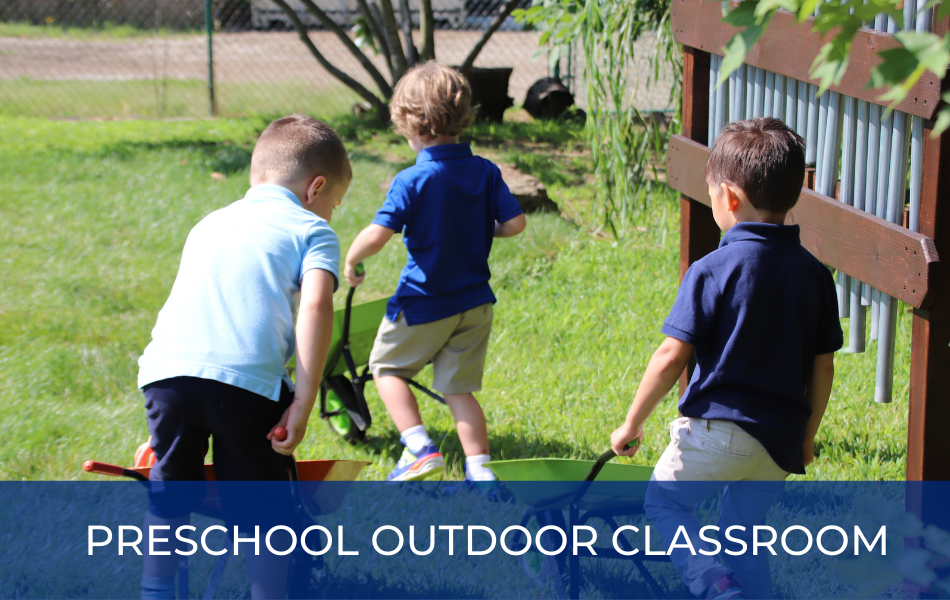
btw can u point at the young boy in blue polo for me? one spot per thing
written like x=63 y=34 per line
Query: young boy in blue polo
x=449 y=207
x=760 y=315
x=216 y=365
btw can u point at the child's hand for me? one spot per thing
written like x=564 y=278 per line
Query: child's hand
x=622 y=436
x=354 y=274
x=809 y=452
x=294 y=421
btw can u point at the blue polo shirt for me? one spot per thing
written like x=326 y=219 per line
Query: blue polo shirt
x=230 y=314
x=445 y=206
x=758 y=310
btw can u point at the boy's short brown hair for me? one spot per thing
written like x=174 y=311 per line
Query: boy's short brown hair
x=431 y=100
x=296 y=147
x=763 y=157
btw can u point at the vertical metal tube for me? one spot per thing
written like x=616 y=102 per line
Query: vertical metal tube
x=801 y=111
x=834 y=149
x=758 y=103
x=922 y=23
x=713 y=76
x=209 y=29
x=870 y=194
x=811 y=129
x=880 y=209
x=769 y=91
x=750 y=91
x=778 y=97
x=857 y=325
x=791 y=103
x=820 y=148
x=722 y=99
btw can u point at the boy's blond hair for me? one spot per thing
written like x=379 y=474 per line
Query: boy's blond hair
x=431 y=100
x=297 y=146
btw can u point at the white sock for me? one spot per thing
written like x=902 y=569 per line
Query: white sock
x=476 y=469
x=416 y=438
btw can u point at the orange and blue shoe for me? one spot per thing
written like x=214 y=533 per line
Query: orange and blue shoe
x=412 y=467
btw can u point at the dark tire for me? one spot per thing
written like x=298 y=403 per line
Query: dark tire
x=538 y=566
x=339 y=395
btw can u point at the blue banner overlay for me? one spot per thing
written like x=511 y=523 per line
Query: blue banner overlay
x=439 y=540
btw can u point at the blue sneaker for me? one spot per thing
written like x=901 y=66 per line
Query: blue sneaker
x=412 y=467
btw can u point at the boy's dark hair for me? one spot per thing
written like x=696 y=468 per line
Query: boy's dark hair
x=297 y=146
x=763 y=157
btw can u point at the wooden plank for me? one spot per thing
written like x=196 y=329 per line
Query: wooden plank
x=928 y=445
x=699 y=234
x=789 y=48
x=887 y=256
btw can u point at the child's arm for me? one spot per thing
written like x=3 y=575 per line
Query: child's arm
x=664 y=370
x=511 y=227
x=817 y=393
x=369 y=241
x=313 y=332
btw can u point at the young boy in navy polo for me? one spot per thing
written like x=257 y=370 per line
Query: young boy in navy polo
x=760 y=315
x=216 y=365
x=449 y=207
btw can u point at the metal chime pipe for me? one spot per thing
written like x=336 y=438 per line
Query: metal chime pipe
x=811 y=127
x=858 y=326
x=711 y=121
x=791 y=103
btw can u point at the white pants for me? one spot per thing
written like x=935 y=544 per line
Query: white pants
x=703 y=458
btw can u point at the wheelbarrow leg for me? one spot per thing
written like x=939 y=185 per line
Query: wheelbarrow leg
x=654 y=586
x=215 y=577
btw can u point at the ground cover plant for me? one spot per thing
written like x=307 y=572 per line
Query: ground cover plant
x=94 y=216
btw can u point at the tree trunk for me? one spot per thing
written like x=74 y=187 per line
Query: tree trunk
x=427 y=24
x=495 y=24
x=375 y=26
x=331 y=25
x=351 y=83
x=392 y=35
x=412 y=55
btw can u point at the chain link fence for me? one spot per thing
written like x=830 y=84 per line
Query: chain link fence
x=150 y=58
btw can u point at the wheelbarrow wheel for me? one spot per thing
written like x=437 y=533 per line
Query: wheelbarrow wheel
x=536 y=565
x=338 y=396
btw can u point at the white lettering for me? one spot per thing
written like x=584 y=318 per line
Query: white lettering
x=729 y=537
x=412 y=540
x=134 y=545
x=652 y=552
x=709 y=540
x=303 y=540
x=152 y=539
x=256 y=539
x=537 y=540
x=844 y=540
x=881 y=535
x=589 y=544
x=376 y=537
x=488 y=530
x=339 y=549
x=293 y=540
x=617 y=533
x=755 y=539
x=204 y=540
x=451 y=529
x=527 y=535
x=687 y=545
x=90 y=537
x=186 y=539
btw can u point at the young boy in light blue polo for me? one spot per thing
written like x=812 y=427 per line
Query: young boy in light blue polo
x=216 y=365
x=760 y=315
x=449 y=207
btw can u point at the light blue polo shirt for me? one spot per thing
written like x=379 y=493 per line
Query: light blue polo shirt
x=230 y=314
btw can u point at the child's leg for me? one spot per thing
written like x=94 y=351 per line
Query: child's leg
x=694 y=467
x=399 y=400
x=470 y=421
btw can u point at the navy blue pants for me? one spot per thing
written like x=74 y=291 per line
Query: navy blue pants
x=183 y=413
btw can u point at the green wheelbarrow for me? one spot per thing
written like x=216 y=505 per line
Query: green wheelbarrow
x=568 y=486
x=342 y=399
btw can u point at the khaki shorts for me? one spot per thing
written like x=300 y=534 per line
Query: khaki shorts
x=456 y=346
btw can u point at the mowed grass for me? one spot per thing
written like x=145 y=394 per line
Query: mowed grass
x=168 y=98
x=94 y=216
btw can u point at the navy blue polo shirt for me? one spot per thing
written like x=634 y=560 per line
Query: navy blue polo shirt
x=445 y=206
x=758 y=310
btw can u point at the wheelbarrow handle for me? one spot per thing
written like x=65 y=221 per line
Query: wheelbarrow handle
x=604 y=459
x=101 y=468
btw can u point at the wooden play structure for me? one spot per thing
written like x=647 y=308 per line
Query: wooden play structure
x=857 y=212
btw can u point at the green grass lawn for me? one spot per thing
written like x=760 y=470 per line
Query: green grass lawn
x=94 y=216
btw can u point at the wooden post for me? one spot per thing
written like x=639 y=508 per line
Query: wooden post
x=699 y=234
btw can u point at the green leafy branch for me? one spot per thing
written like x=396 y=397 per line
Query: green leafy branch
x=899 y=69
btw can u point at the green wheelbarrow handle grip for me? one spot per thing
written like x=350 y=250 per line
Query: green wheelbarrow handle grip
x=360 y=269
